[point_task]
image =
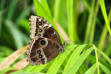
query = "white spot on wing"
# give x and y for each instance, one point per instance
(45, 24)
(40, 19)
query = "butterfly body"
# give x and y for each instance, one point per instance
(45, 43)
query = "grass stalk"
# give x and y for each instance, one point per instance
(104, 34)
(56, 9)
(72, 19)
(11, 8)
(90, 18)
(86, 5)
(97, 62)
(21, 64)
(10, 59)
(102, 5)
(46, 7)
(1, 9)
(91, 37)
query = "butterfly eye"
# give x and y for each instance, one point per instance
(42, 42)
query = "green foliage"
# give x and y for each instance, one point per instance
(102, 5)
(85, 27)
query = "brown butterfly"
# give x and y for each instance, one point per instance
(45, 43)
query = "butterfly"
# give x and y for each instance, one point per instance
(45, 43)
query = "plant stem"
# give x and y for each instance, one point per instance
(97, 63)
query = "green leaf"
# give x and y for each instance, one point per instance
(102, 5)
(105, 69)
(56, 9)
(93, 25)
(74, 56)
(60, 13)
(97, 61)
(75, 66)
(105, 56)
(104, 34)
(86, 4)
(23, 15)
(91, 70)
(11, 9)
(46, 7)
(6, 50)
(25, 25)
(36, 68)
(2, 4)
(71, 21)
(15, 34)
(6, 70)
(22, 72)
(90, 18)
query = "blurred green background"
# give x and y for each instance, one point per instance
(84, 21)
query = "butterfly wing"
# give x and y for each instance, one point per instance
(45, 43)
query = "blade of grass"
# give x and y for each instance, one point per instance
(15, 34)
(12, 6)
(25, 24)
(75, 56)
(92, 60)
(12, 58)
(104, 34)
(22, 72)
(72, 29)
(6, 50)
(90, 18)
(108, 49)
(62, 32)
(75, 66)
(96, 55)
(91, 37)
(46, 7)
(36, 68)
(59, 60)
(102, 5)
(60, 13)
(21, 64)
(105, 69)
(91, 70)
(60, 16)
(83, 68)
(2, 4)
(23, 15)
(86, 4)
(105, 56)
(56, 9)
(6, 70)
(75, 18)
